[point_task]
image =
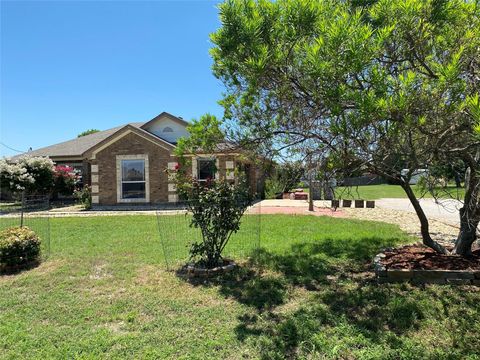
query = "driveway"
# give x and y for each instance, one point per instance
(443, 210)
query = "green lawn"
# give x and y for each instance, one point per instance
(373, 192)
(104, 293)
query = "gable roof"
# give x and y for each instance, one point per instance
(129, 128)
(76, 148)
(168, 115)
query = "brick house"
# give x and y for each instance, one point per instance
(128, 164)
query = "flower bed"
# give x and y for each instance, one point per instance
(422, 265)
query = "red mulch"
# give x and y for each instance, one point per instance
(421, 257)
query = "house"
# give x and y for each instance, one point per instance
(128, 164)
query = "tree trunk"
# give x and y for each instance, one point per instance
(467, 235)
(470, 212)
(424, 225)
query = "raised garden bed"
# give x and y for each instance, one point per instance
(422, 265)
(194, 271)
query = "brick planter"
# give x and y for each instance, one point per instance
(190, 271)
(419, 276)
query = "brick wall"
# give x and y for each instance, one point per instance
(103, 170)
(132, 144)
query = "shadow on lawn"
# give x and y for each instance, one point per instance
(336, 295)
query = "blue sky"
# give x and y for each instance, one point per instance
(68, 66)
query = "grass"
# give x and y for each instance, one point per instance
(307, 293)
(373, 192)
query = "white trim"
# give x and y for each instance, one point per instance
(128, 131)
(119, 159)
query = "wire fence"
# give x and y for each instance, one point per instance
(177, 234)
(24, 213)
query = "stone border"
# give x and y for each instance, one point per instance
(190, 271)
(450, 277)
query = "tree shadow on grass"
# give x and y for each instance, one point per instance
(336, 300)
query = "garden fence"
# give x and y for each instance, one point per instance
(177, 234)
(27, 212)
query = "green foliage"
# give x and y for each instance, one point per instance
(19, 246)
(273, 187)
(88, 132)
(205, 135)
(284, 178)
(84, 196)
(217, 208)
(383, 85)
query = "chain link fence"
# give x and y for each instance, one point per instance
(25, 213)
(177, 234)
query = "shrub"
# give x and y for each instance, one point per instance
(31, 174)
(216, 208)
(84, 196)
(273, 187)
(64, 180)
(19, 246)
(285, 177)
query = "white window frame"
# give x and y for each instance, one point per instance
(143, 157)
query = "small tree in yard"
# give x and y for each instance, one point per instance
(217, 208)
(383, 85)
(216, 205)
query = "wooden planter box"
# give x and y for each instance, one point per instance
(347, 203)
(370, 204)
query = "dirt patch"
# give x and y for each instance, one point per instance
(421, 257)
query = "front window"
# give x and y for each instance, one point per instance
(133, 179)
(206, 169)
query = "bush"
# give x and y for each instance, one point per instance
(64, 180)
(217, 208)
(285, 177)
(273, 187)
(84, 196)
(19, 246)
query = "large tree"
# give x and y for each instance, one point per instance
(386, 85)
